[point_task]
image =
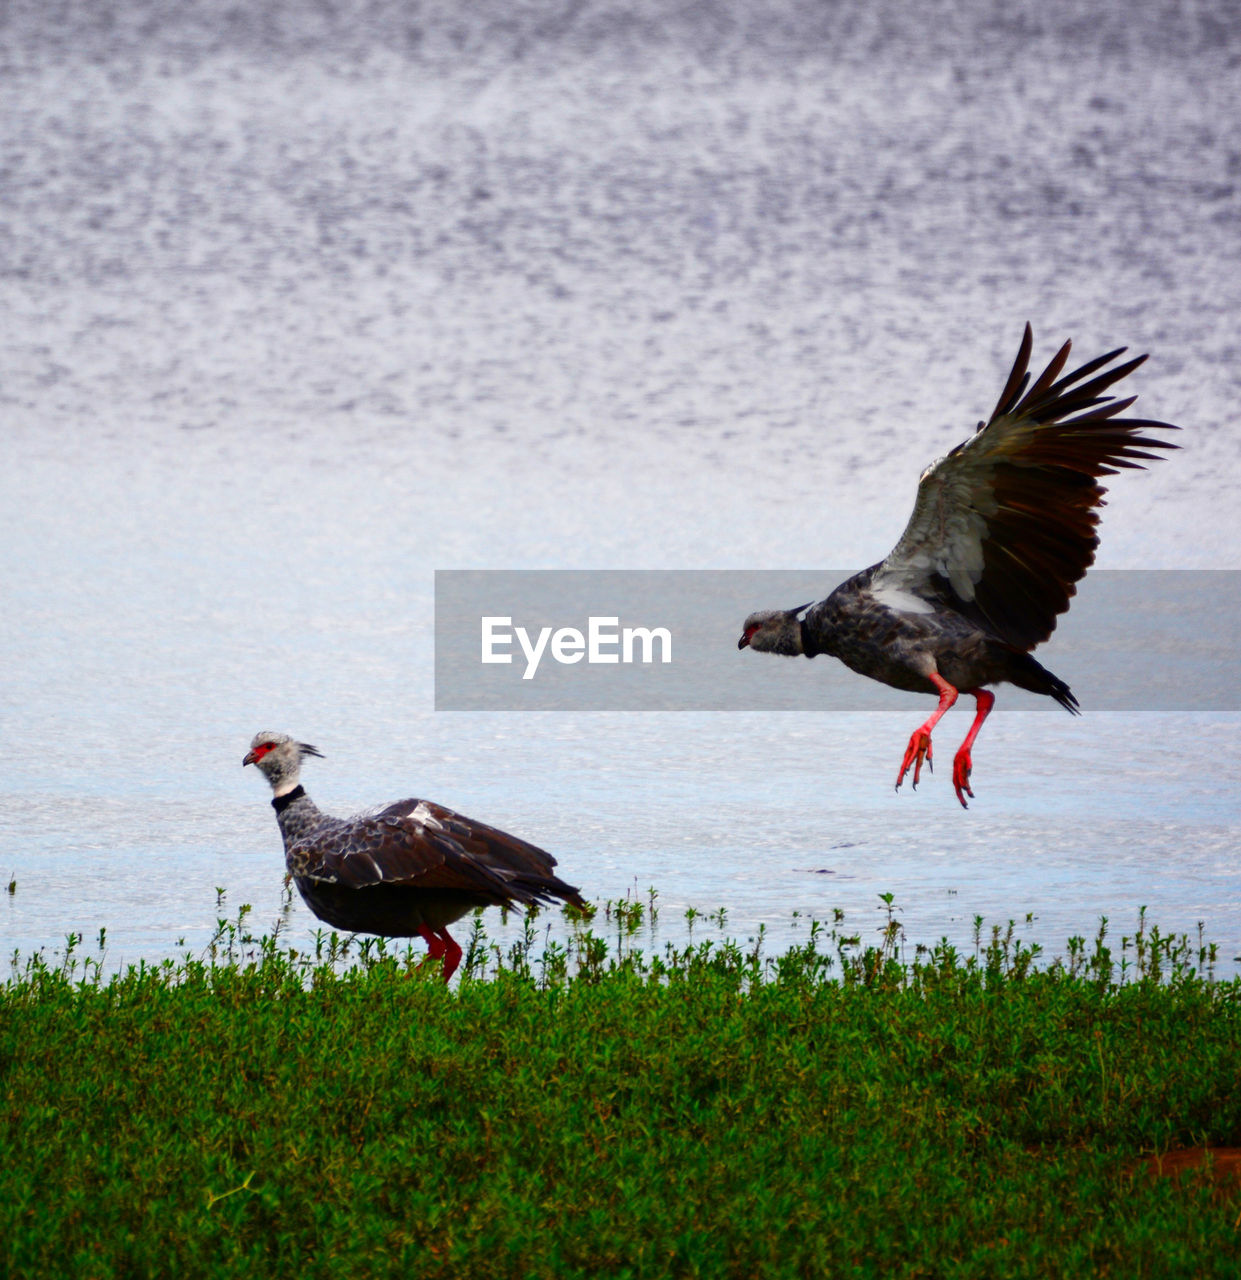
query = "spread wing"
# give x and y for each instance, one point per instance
(423, 845)
(1004, 525)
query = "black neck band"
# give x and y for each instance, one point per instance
(808, 646)
(281, 803)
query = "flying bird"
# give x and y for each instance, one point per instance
(406, 871)
(1002, 529)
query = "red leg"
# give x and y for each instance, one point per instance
(962, 765)
(919, 748)
(435, 946)
(441, 946)
(452, 955)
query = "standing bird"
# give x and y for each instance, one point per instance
(1002, 529)
(409, 870)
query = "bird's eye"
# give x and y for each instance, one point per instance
(269, 746)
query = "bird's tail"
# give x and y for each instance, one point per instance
(1028, 673)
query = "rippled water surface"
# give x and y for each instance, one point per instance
(299, 309)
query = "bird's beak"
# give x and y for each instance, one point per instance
(251, 758)
(744, 642)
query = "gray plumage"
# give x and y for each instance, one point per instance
(1003, 528)
(410, 870)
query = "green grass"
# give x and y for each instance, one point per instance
(592, 1108)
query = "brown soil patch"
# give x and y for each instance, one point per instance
(1223, 1164)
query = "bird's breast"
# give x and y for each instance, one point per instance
(872, 635)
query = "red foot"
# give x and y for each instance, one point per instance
(919, 749)
(962, 767)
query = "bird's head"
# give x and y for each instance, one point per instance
(280, 759)
(774, 631)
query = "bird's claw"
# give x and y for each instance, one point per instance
(962, 767)
(919, 749)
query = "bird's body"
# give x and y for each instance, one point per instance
(888, 640)
(410, 870)
(1002, 530)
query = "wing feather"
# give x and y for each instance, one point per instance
(420, 844)
(1019, 376)
(1005, 525)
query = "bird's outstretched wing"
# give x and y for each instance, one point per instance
(423, 845)
(1004, 525)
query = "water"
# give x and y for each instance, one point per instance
(303, 304)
